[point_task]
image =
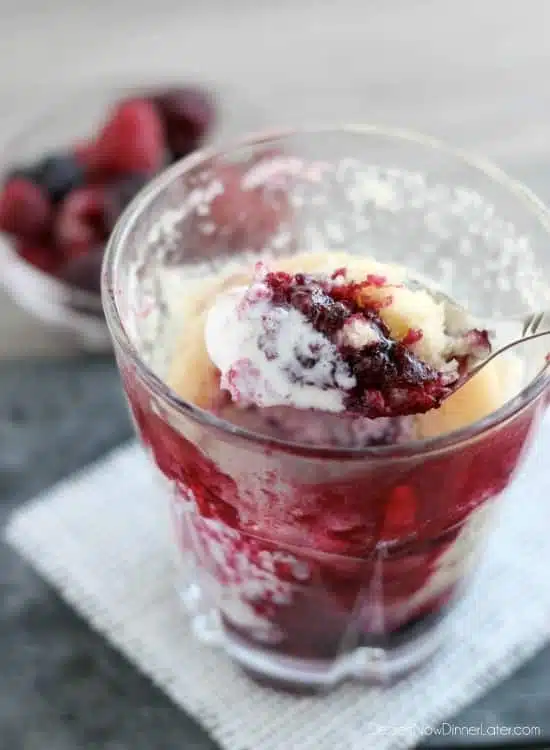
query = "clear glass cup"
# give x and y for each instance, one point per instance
(310, 565)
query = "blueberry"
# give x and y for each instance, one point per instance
(59, 174)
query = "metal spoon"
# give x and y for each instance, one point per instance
(510, 331)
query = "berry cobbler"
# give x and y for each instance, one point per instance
(315, 538)
(303, 384)
(313, 542)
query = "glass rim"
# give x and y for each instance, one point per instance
(411, 448)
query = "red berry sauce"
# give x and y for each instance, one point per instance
(323, 553)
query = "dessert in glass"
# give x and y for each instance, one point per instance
(300, 391)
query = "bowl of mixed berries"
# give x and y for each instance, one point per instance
(67, 179)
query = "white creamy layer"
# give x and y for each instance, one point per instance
(272, 375)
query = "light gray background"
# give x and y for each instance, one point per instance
(476, 72)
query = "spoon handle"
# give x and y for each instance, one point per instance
(533, 326)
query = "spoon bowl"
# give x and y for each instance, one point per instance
(504, 334)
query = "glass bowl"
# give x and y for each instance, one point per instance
(73, 314)
(314, 564)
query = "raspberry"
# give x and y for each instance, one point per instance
(187, 114)
(240, 217)
(246, 217)
(230, 205)
(85, 155)
(80, 223)
(132, 140)
(40, 256)
(25, 210)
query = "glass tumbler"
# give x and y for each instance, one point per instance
(311, 564)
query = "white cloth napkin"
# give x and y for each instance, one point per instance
(102, 539)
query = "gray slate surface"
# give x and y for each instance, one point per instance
(62, 687)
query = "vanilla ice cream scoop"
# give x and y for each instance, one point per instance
(271, 355)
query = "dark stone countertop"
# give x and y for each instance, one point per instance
(62, 687)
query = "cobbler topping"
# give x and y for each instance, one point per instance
(335, 344)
